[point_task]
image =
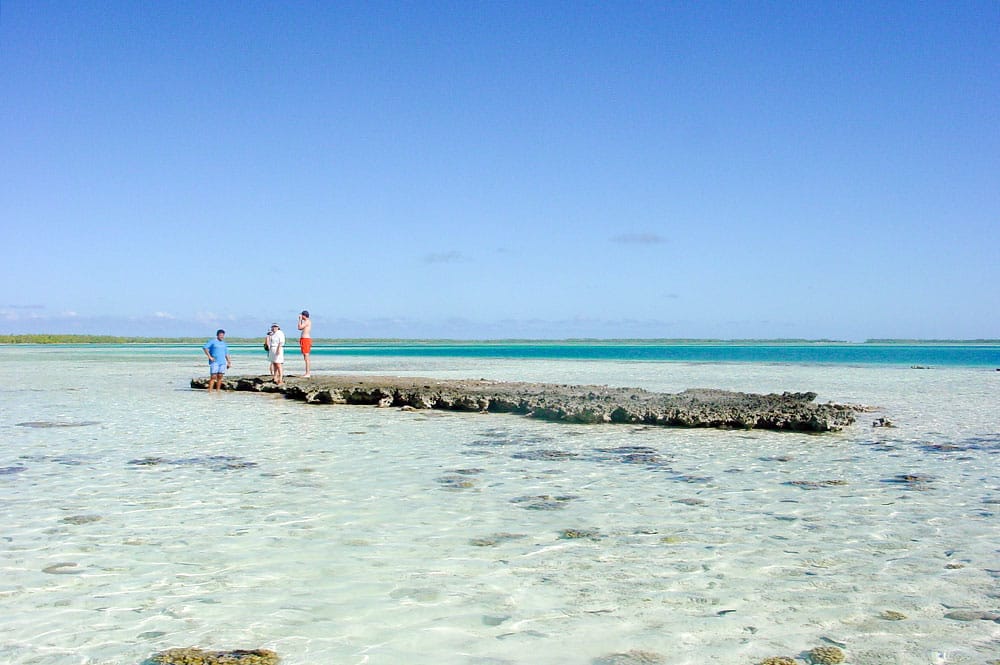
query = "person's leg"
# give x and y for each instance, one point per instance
(214, 382)
(305, 356)
(279, 373)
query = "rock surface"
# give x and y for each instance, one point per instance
(564, 403)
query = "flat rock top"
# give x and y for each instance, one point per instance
(699, 407)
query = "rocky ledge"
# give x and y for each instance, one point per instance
(564, 403)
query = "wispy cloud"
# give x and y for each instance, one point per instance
(639, 239)
(444, 257)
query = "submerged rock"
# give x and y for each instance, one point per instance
(496, 539)
(542, 502)
(544, 455)
(573, 534)
(43, 424)
(912, 481)
(632, 657)
(213, 462)
(972, 615)
(826, 656)
(81, 519)
(817, 484)
(193, 656)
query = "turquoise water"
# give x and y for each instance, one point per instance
(926, 355)
(140, 515)
(946, 355)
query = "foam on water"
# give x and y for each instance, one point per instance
(140, 515)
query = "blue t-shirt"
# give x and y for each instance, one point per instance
(218, 348)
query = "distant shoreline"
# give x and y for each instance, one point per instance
(112, 339)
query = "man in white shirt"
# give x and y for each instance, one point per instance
(276, 353)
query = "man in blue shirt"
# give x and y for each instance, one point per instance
(218, 359)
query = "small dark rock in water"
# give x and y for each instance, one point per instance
(892, 615)
(57, 423)
(816, 484)
(81, 519)
(456, 482)
(61, 568)
(635, 454)
(691, 502)
(826, 656)
(632, 657)
(542, 502)
(972, 615)
(495, 539)
(687, 478)
(11, 470)
(193, 656)
(214, 462)
(912, 480)
(942, 448)
(882, 422)
(544, 455)
(573, 534)
(494, 621)
(149, 461)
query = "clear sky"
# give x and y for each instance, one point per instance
(515, 169)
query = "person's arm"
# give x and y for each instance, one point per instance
(229, 360)
(208, 353)
(302, 322)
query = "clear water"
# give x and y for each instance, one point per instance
(140, 515)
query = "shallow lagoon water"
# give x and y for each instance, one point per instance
(140, 515)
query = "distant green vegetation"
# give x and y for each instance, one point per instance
(108, 339)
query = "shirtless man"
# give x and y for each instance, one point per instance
(305, 338)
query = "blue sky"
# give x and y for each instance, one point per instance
(502, 169)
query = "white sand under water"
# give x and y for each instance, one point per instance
(139, 515)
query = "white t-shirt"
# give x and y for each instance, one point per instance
(276, 353)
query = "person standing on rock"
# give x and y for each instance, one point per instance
(218, 359)
(276, 353)
(305, 338)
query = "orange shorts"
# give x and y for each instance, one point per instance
(306, 344)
